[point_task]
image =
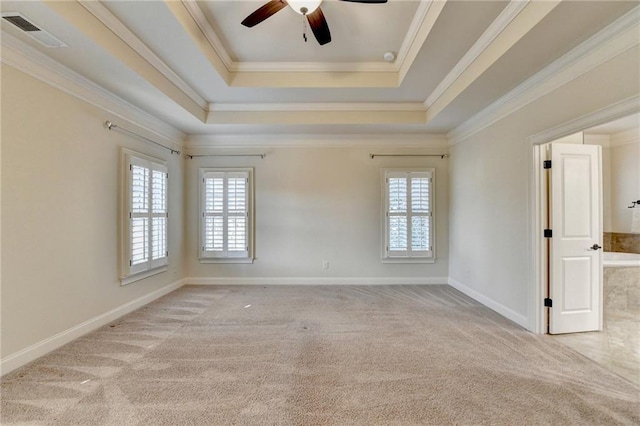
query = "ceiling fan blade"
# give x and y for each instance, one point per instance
(367, 1)
(264, 12)
(319, 26)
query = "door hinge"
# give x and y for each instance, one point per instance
(548, 303)
(548, 233)
(130, 167)
(546, 164)
(130, 262)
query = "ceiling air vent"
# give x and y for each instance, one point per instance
(32, 30)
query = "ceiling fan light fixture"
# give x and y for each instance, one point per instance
(304, 7)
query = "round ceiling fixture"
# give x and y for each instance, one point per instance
(389, 57)
(304, 7)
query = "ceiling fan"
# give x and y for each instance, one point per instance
(307, 8)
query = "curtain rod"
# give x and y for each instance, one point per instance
(111, 126)
(409, 155)
(224, 155)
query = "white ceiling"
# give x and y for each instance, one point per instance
(192, 64)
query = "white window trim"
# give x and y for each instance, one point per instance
(384, 254)
(128, 274)
(206, 257)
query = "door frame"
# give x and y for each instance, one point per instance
(537, 285)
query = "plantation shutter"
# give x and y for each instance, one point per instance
(159, 216)
(225, 197)
(147, 211)
(408, 214)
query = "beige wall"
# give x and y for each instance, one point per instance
(60, 175)
(489, 202)
(60, 188)
(624, 184)
(606, 190)
(317, 204)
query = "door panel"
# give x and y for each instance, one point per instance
(576, 296)
(575, 215)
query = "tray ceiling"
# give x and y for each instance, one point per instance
(191, 63)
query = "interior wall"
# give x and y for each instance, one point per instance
(60, 213)
(625, 184)
(489, 203)
(604, 141)
(315, 205)
(607, 225)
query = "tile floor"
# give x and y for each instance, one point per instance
(617, 346)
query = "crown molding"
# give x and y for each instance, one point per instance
(207, 30)
(233, 141)
(413, 41)
(232, 66)
(117, 27)
(306, 74)
(612, 112)
(317, 113)
(90, 26)
(313, 67)
(420, 28)
(290, 107)
(521, 24)
(608, 43)
(22, 57)
(626, 137)
(505, 17)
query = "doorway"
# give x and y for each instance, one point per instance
(617, 345)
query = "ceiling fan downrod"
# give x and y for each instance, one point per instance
(304, 11)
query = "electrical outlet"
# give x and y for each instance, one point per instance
(325, 264)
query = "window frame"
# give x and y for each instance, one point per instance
(129, 272)
(387, 256)
(224, 256)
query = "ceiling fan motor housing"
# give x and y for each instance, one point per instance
(304, 7)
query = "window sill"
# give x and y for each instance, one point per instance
(226, 260)
(142, 275)
(409, 260)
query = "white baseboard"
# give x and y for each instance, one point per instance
(45, 346)
(519, 319)
(316, 281)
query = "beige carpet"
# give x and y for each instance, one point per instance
(316, 355)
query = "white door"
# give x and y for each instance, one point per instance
(575, 219)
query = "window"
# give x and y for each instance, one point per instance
(146, 217)
(408, 215)
(226, 219)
